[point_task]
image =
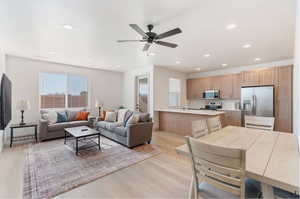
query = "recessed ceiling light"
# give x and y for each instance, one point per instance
(198, 69)
(151, 54)
(224, 65)
(257, 59)
(231, 26)
(68, 27)
(247, 46)
(177, 62)
(206, 55)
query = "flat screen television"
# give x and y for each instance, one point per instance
(5, 102)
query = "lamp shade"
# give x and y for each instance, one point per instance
(96, 103)
(23, 105)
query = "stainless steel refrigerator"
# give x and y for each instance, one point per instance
(258, 101)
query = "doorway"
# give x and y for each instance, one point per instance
(142, 94)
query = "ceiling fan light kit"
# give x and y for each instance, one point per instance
(151, 37)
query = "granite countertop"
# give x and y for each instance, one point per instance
(197, 112)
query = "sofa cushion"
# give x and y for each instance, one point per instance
(121, 115)
(71, 115)
(110, 116)
(134, 119)
(62, 117)
(82, 115)
(63, 125)
(144, 117)
(127, 116)
(50, 117)
(121, 130)
(109, 125)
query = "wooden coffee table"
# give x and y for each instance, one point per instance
(84, 136)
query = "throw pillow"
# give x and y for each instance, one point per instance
(134, 119)
(144, 117)
(61, 117)
(110, 116)
(82, 115)
(121, 115)
(127, 116)
(71, 115)
(50, 116)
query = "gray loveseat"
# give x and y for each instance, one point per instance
(56, 130)
(130, 135)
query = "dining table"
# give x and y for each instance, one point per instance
(272, 157)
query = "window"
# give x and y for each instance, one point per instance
(174, 92)
(77, 91)
(63, 91)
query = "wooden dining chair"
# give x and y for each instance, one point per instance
(199, 128)
(214, 124)
(262, 123)
(221, 167)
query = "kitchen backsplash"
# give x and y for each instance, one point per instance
(226, 104)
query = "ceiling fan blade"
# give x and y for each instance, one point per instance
(120, 41)
(168, 33)
(138, 30)
(167, 44)
(146, 47)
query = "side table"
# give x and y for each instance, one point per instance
(25, 137)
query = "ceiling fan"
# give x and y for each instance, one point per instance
(151, 37)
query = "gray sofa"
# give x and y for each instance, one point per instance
(130, 135)
(53, 131)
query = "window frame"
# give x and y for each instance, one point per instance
(179, 93)
(67, 91)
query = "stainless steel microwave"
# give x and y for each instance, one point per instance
(211, 94)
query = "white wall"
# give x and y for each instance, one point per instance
(235, 70)
(105, 86)
(129, 87)
(2, 70)
(296, 79)
(161, 86)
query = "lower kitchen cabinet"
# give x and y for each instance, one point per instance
(233, 118)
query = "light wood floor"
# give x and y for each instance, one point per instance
(164, 176)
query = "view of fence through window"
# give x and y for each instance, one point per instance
(63, 91)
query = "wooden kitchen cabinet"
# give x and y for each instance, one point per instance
(196, 87)
(236, 86)
(233, 118)
(250, 78)
(283, 100)
(268, 76)
(226, 86)
(190, 88)
(230, 88)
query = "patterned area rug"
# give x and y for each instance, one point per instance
(52, 168)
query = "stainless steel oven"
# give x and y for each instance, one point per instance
(211, 94)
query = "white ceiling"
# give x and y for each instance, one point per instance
(34, 28)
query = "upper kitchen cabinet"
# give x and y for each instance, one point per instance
(250, 78)
(226, 86)
(196, 87)
(236, 84)
(268, 76)
(192, 92)
(261, 77)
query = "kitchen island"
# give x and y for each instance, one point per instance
(179, 121)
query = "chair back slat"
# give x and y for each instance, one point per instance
(262, 123)
(214, 124)
(223, 186)
(220, 169)
(218, 166)
(199, 128)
